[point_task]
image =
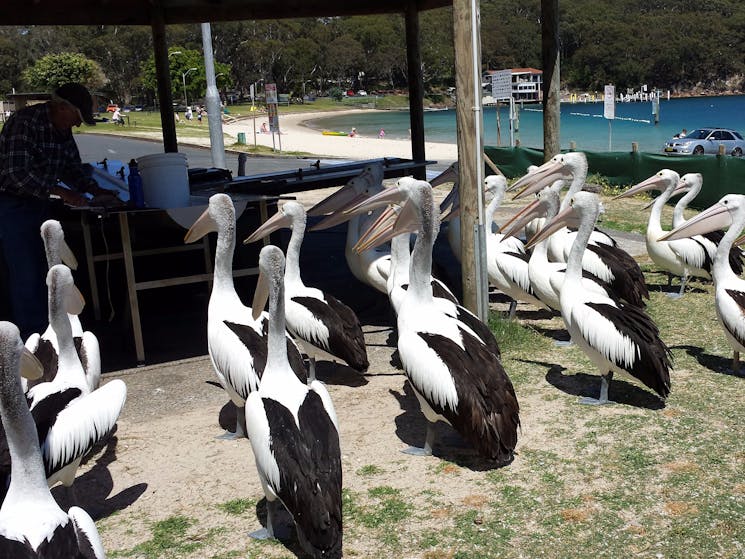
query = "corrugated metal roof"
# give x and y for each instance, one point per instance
(143, 12)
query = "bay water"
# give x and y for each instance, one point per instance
(582, 123)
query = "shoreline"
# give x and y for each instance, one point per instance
(298, 136)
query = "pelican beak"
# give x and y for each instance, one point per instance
(261, 296)
(448, 175)
(67, 256)
(560, 220)
(340, 214)
(711, 219)
(406, 222)
(277, 221)
(392, 195)
(655, 182)
(537, 208)
(384, 222)
(74, 300)
(452, 213)
(680, 188)
(335, 202)
(31, 368)
(533, 182)
(739, 241)
(201, 227)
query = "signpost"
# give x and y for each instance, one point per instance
(270, 90)
(501, 87)
(609, 110)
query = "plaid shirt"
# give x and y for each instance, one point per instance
(34, 155)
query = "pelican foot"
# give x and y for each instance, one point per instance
(673, 295)
(563, 343)
(587, 401)
(261, 534)
(229, 436)
(416, 451)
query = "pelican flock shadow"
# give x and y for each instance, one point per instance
(92, 489)
(411, 426)
(659, 283)
(587, 385)
(558, 334)
(716, 363)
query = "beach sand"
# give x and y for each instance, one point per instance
(297, 137)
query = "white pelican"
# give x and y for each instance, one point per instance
(684, 257)
(294, 432)
(317, 318)
(729, 294)
(691, 184)
(70, 418)
(454, 375)
(236, 341)
(372, 266)
(617, 338)
(44, 346)
(603, 258)
(31, 522)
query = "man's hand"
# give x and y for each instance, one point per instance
(69, 197)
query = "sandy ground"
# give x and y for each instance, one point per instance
(300, 138)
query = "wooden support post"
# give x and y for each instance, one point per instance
(551, 73)
(572, 146)
(416, 86)
(722, 149)
(634, 147)
(160, 50)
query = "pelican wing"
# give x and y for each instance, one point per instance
(629, 339)
(692, 252)
(733, 321)
(627, 278)
(441, 291)
(309, 460)
(735, 254)
(89, 542)
(90, 357)
(487, 413)
(82, 424)
(45, 351)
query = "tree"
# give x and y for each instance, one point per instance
(53, 70)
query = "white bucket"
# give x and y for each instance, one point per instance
(165, 180)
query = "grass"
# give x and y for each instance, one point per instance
(169, 538)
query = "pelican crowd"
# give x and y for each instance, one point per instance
(549, 255)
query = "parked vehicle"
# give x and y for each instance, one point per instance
(112, 107)
(706, 140)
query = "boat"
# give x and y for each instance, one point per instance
(334, 133)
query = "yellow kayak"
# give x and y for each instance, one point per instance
(334, 133)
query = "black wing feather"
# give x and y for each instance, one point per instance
(739, 298)
(628, 279)
(653, 362)
(62, 545)
(488, 413)
(346, 340)
(310, 469)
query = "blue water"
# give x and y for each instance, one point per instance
(580, 122)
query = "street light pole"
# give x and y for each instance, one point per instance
(183, 79)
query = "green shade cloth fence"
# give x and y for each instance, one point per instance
(723, 174)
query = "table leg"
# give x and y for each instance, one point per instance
(85, 222)
(132, 287)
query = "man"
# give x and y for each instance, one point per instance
(37, 153)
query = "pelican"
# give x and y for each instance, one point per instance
(616, 337)
(294, 432)
(684, 257)
(236, 341)
(31, 522)
(44, 346)
(317, 318)
(452, 202)
(71, 419)
(729, 294)
(691, 184)
(564, 166)
(455, 377)
(603, 258)
(372, 266)
(506, 262)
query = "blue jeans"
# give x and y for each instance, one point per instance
(25, 261)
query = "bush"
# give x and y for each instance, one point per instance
(336, 93)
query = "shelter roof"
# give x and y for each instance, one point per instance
(144, 12)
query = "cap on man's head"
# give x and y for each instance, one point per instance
(79, 96)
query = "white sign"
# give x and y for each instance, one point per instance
(501, 84)
(609, 110)
(270, 90)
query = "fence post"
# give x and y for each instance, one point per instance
(722, 150)
(635, 147)
(572, 146)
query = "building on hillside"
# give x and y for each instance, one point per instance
(527, 84)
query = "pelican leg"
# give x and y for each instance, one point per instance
(311, 369)
(428, 443)
(679, 294)
(240, 427)
(735, 362)
(603, 399)
(513, 309)
(266, 533)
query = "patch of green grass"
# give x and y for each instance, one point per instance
(370, 470)
(169, 538)
(390, 510)
(383, 491)
(237, 506)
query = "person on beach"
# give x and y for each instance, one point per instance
(353, 133)
(264, 128)
(381, 134)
